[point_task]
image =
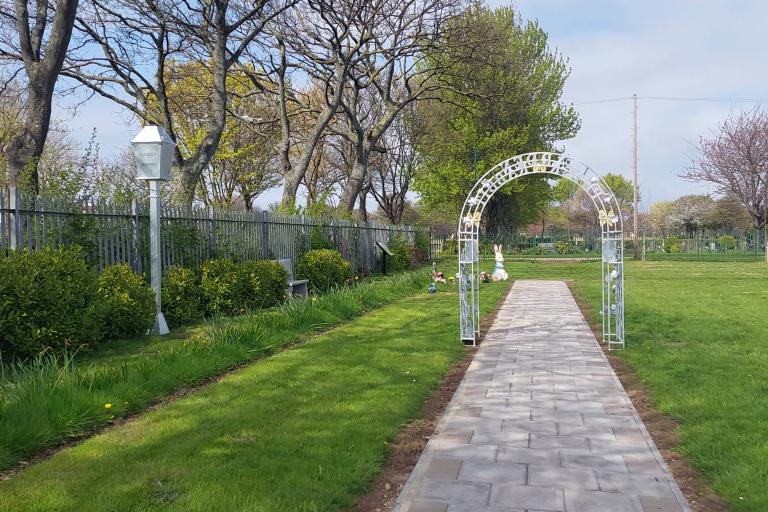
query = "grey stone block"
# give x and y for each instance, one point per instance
(632, 483)
(454, 491)
(538, 498)
(426, 506)
(596, 501)
(655, 504)
(528, 456)
(566, 478)
(534, 427)
(493, 472)
(606, 462)
(443, 469)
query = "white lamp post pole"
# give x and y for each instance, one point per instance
(153, 149)
(154, 246)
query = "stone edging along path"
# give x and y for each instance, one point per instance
(540, 422)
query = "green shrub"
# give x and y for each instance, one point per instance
(181, 297)
(266, 282)
(319, 240)
(223, 287)
(672, 244)
(420, 249)
(126, 303)
(727, 242)
(46, 302)
(563, 247)
(401, 260)
(324, 268)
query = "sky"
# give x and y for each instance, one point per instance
(615, 48)
(673, 48)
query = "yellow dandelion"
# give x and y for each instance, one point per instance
(107, 406)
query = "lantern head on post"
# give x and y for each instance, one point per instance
(153, 151)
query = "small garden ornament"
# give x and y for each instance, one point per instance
(499, 274)
(437, 276)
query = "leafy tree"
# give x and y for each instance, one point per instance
(660, 216)
(729, 214)
(243, 165)
(503, 98)
(623, 190)
(690, 213)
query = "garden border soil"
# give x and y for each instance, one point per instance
(406, 448)
(663, 428)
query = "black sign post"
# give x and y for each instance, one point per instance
(385, 251)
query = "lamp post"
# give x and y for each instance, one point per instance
(153, 151)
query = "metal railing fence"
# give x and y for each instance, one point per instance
(725, 247)
(111, 232)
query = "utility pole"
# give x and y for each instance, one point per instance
(634, 177)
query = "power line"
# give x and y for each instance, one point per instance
(610, 100)
(676, 98)
(709, 99)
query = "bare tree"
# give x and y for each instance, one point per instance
(735, 161)
(130, 45)
(391, 74)
(320, 41)
(392, 171)
(327, 171)
(39, 41)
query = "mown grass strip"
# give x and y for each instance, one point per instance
(304, 430)
(51, 400)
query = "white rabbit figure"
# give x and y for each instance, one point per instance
(499, 274)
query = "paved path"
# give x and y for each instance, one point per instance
(540, 423)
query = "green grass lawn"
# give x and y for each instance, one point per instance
(49, 400)
(697, 335)
(304, 430)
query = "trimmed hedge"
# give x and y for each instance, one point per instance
(223, 287)
(181, 297)
(47, 302)
(265, 282)
(126, 303)
(325, 269)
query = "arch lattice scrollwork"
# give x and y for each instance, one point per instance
(611, 224)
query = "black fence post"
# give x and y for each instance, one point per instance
(265, 234)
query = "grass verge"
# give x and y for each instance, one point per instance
(52, 400)
(305, 430)
(696, 338)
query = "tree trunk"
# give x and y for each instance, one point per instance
(42, 66)
(356, 178)
(296, 173)
(24, 149)
(362, 200)
(193, 167)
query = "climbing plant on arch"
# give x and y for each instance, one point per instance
(611, 225)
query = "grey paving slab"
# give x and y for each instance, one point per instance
(540, 423)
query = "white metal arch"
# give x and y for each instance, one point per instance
(611, 225)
